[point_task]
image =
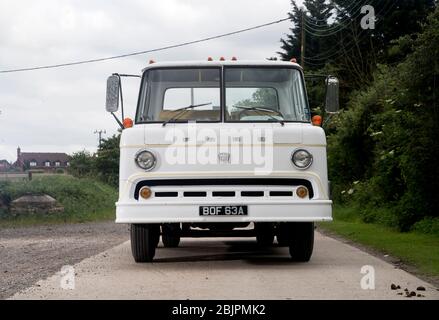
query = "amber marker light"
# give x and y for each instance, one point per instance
(127, 123)
(317, 121)
(302, 192)
(145, 193)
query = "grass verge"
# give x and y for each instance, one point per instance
(83, 199)
(412, 248)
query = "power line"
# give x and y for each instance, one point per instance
(338, 8)
(337, 26)
(350, 44)
(351, 8)
(146, 51)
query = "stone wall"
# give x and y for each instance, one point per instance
(35, 204)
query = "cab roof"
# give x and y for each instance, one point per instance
(219, 63)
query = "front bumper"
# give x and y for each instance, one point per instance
(258, 211)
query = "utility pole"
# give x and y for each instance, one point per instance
(303, 45)
(99, 133)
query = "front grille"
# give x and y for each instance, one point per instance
(234, 184)
(223, 193)
(281, 193)
(252, 193)
(166, 194)
(194, 194)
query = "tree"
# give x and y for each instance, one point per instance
(81, 164)
(357, 52)
(291, 45)
(261, 97)
(387, 137)
(311, 19)
(107, 160)
(334, 35)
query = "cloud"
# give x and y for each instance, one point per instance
(59, 109)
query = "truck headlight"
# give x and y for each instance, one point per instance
(302, 159)
(145, 160)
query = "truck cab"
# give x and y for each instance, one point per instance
(222, 148)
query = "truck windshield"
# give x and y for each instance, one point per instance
(265, 94)
(252, 94)
(167, 91)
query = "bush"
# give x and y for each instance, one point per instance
(104, 164)
(427, 225)
(387, 139)
(83, 199)
(107, 161)
(82, 164)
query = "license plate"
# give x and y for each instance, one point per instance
(223, 210)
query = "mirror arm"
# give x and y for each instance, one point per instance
(117, 120)
(121, 97)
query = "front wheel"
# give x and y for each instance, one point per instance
(301, 240)
(144, 240)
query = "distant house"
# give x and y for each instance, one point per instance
(5, 166)
(46, 161)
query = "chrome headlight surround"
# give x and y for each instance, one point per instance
(302, 159)
(145, 160)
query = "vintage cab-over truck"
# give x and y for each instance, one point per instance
(221, 148)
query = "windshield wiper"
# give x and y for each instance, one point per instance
(181, 111)
(265, 109)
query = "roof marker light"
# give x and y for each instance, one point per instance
(293, 60)
(222, 59)
(209, 59)
(234, 59)
(151, 61)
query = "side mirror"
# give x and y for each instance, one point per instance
(112, 102)
(332, 95)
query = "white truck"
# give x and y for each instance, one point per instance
(222, 148)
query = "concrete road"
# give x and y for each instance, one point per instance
(231, 269)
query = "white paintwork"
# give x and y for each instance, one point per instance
(217, 63)
(285, 140)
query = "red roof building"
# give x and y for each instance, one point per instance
(47, 161)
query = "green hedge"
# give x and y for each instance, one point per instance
(385, 150)
(82, 198)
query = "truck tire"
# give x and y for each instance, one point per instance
(264, 234)
(301, 241)
(144, 240)
(171, 235)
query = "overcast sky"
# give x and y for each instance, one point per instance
(57, 110)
